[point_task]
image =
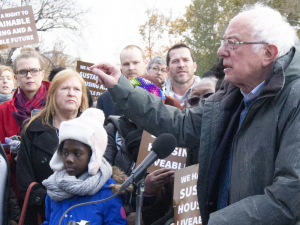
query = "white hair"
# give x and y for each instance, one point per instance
(271, 27)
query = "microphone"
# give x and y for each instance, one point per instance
(162, 146)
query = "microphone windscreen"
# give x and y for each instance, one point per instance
(164, 145)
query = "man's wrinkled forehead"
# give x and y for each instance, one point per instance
(239, 27)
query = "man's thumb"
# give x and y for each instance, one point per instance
(103, 78)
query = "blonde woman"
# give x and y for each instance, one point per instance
(66, 100)
(30, 94)
(6, 83)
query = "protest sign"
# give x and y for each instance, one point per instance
(186, 208)
(83, 68)
(17, 27)
(175, 161)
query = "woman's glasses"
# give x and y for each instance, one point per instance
(194, 101)
(33, 72)
(156, 69)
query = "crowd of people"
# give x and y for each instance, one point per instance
(33, 112)
(240, 124)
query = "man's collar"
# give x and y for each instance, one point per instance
(254, 93)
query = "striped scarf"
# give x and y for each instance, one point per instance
(23, 106)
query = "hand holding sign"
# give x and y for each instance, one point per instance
(108, 74)
(83, 68)
(157, 179)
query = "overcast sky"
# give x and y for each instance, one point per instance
(114, 24)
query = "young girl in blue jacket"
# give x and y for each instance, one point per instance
(81, 174)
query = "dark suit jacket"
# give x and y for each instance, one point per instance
(108, 107)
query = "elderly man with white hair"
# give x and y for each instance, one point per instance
(247, 132)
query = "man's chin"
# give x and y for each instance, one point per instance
(131, 75)
(228, 78)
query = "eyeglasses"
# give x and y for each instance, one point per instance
(33, 72)
(231, 44)
(156, 69)
(194, 101)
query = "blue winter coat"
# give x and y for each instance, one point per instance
(108, 212)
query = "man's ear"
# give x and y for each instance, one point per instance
(167, 69)
(195, 67)
(270, 53)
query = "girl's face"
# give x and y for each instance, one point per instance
(76, 157)
(6, 82)
(31, 82)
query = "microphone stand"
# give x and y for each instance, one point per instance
(139, 200)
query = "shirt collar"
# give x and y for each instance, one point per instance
(254, 93)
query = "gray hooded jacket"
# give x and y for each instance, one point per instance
(265, 169)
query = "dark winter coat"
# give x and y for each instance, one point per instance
(38, 144)
(265, 169)
(116, 152)
(11, 210)
(108, 107)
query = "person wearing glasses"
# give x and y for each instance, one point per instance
(157, 67)
(29, 95)
(200, 91)
(247, 132)
(6, 83)
(205, 88)
(181, 66)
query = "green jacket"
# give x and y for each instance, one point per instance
(265, 169)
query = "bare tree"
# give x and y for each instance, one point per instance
(56, 57)
(49, 15)
(53, 14)
(7, 4)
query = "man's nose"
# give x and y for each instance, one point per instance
(181, 63)
(131, 66)
(222, 51)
